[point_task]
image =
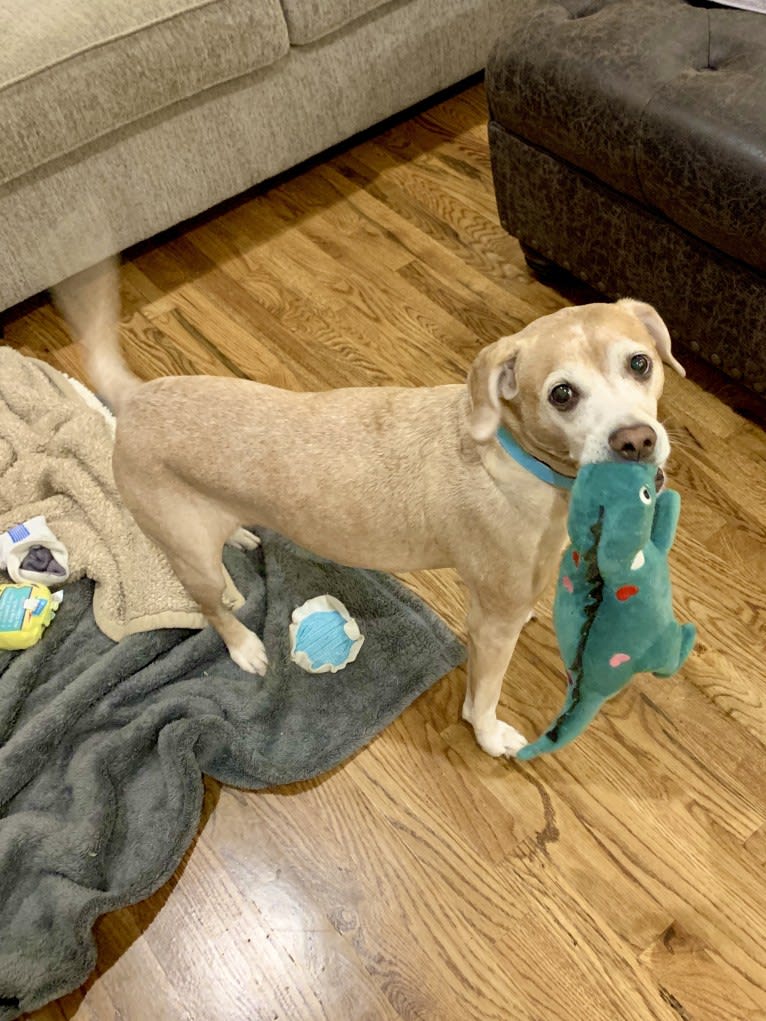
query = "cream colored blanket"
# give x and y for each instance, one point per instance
(56, 460)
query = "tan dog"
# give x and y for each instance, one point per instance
(385, 478)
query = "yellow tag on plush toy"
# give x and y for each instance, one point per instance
(25, 612)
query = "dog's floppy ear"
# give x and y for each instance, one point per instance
(492, 378)
(658, 331)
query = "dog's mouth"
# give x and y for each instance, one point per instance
(659, 478)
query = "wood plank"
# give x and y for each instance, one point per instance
(696, 983)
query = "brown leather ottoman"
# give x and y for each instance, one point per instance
(628, 142)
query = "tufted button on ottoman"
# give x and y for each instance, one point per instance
(628, 142)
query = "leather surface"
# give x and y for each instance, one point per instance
(712, 303)
(664, 100)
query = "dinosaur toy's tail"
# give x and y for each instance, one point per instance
(569, 724)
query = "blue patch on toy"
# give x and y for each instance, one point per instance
(324, 637)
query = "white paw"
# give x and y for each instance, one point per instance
(468, 709)
(499, 738)
(250, 654)
(242, 539)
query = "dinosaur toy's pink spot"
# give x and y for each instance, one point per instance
(576, 558)
(626, 592)
(566, 581)
(618, 659)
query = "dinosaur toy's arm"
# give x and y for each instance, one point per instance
(670, 651)
(616, 523)
(666, 514)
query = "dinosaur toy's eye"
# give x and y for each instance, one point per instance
(646, 496)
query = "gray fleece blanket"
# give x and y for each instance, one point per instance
(103, 745)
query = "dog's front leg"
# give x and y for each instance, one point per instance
(492, 637)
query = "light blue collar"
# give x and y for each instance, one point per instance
(539, 469)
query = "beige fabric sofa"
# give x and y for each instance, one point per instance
(150, 111)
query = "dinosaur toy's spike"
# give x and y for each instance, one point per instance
(613, 609)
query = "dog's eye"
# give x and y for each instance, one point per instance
(646, 496)
(640, 365)
(563, 396)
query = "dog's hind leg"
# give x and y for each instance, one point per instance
(192, 538)
(243, 539)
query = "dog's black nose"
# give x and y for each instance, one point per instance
(633, 442)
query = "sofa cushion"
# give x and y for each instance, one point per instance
(663, 100)
(309, 20)
(71, 72)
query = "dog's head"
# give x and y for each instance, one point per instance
(578, 386)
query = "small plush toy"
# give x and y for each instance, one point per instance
(613, 609)
(324, 637)
(25, 612)
(30, 552)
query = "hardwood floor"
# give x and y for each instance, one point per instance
(622, 878)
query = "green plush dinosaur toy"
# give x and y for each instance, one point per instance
(613, 610)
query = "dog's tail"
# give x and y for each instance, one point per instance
(90, 302)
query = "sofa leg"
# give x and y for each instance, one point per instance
(544, 269)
